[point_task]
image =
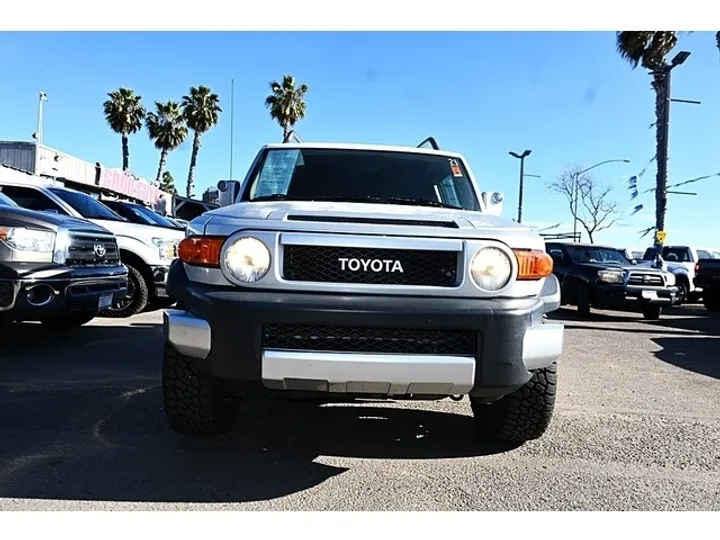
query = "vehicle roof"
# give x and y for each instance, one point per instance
(581, 244)
(358, 146)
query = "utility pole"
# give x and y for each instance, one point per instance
(232, 123)
(664, 136)
(521, 157)
(39, 133)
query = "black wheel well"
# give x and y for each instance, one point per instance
(682, 278)
(128, 257)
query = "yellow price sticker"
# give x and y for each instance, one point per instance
(661, 235)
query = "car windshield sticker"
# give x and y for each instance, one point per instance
(455, 168)
(277, 172)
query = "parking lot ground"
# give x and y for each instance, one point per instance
(637, 426)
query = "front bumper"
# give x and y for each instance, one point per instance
(228, 331)
(631, 297)
(48, 293)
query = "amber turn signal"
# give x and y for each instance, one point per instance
(533, 264)
(201, 251)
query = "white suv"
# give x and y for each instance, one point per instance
(361, 271)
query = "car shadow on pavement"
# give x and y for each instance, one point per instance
(691, 353)
(81, 419)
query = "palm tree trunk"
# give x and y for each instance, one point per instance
(659, 87)
(193, 161)
(286, 130)
(161, 166)
(125, 152)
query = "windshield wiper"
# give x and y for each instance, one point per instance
(273, 197)
(349, 198)
(421, 202)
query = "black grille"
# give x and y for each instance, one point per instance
(82, 250)
(324, 264)
(372, 221)
(652, 280)
(370, 340)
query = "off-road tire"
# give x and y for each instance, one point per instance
(195, 404)
(523, 415)
(139, 302)
(652, 312)
(71, 320)
(712, 302)
(583, 300)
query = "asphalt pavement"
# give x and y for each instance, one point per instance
(637, 426)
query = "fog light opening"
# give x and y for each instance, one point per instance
(40, 295)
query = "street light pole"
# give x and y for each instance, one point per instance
(521, 157)
(576, 190)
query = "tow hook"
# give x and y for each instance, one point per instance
(456, 398)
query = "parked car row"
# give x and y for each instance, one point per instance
(604, 277)
(66, 257)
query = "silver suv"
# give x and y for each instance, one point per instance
(358, 271)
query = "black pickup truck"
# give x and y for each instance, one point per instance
(601, 277)
(707, 277)
(56, 269)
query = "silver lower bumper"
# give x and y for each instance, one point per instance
(361, 372)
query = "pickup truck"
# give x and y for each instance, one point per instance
(147, 251)
(681, 261)
(707, 277)
(54, 269)
(601, 277)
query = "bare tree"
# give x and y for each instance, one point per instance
(596, 211)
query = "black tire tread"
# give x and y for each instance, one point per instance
(141, 299)
(523, 415)
(194, 403)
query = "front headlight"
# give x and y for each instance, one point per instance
(28, 240)
(167, 249)
(611, 276)
(491, 269)
(670, 280)
(247, 259)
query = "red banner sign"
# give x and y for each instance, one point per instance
(125, 183)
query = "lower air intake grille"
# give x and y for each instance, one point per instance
(370, 340)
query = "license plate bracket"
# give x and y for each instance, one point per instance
(650, 295)
(105, 301)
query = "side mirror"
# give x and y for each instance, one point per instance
(228, 191)
(493, 202)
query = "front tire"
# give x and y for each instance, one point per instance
(711, 302)
(652, 312)
(136, 298)
(583, 300)
(523, 415)
(683, 291)
(195, 404)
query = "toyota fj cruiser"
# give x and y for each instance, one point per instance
(361, 271)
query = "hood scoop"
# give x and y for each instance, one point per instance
(372, 221)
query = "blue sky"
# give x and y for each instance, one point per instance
(565, 95)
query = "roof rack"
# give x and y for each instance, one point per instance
(430, 142)
(292, 136)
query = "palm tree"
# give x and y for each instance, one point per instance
(201, 109)
(287, 103)
(167, 183)
(167, 128)
(650, 50)
(124, 113)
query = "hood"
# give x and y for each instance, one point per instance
(278, 210)
(23, 217)
(625, 267)
(127, 228)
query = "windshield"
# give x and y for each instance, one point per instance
(6, 201)
(86, 206)
(596, 255)
(362, 176)
(155, 218)
(669, 254)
